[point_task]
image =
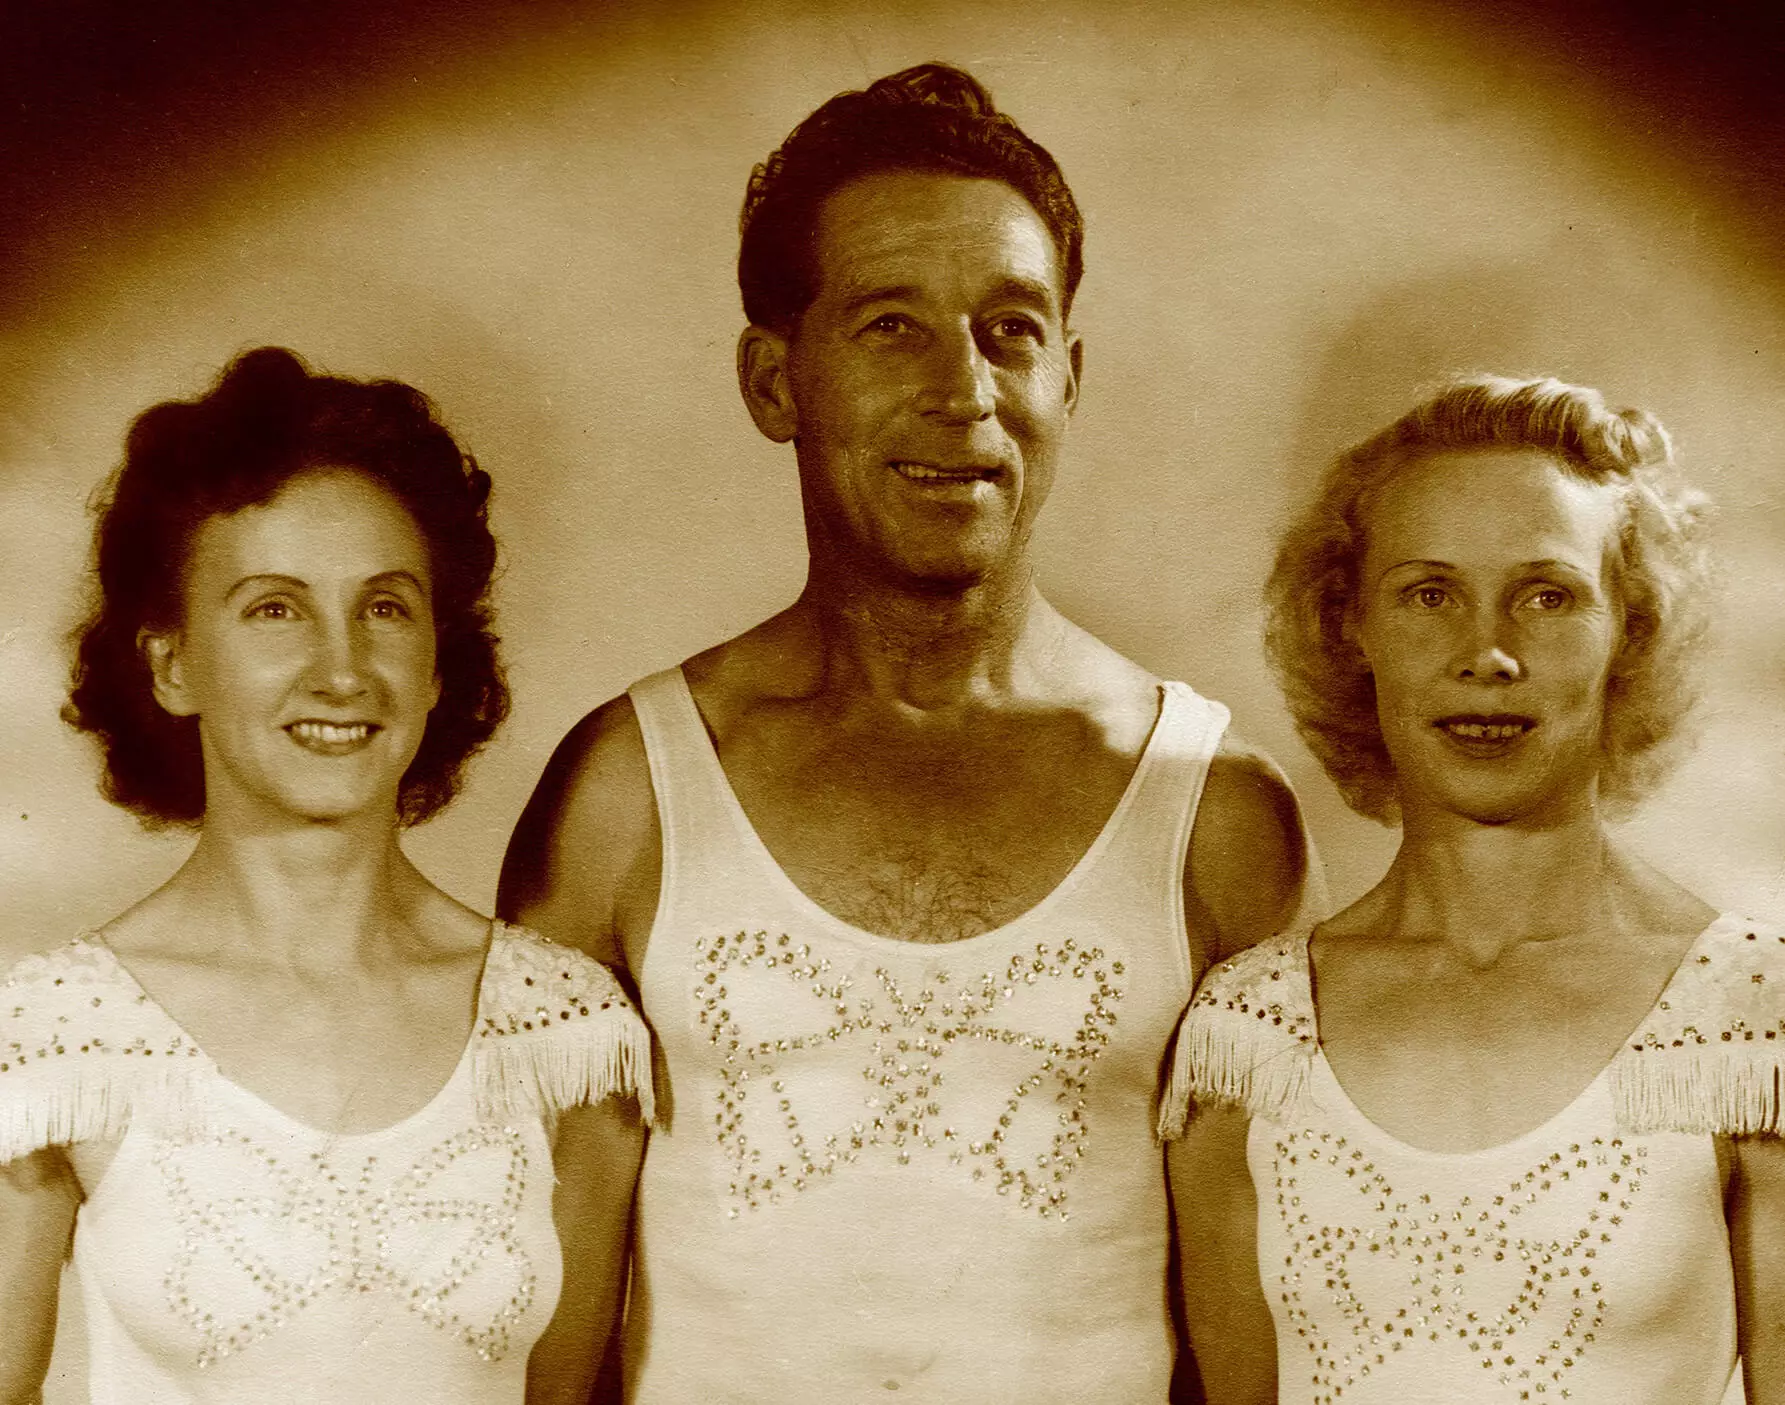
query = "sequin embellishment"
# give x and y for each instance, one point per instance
(1411, 1268)
(255, 1228)
(1051, 1007)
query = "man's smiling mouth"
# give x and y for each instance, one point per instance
(933, 473)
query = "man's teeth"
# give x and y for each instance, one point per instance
(331, 733)
(1486, 731)
(924, 473)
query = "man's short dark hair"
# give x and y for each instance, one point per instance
(929, 118)
(267, 420)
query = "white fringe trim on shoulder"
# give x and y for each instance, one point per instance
(94, 1099)
(549, 1070)
(1222, 1060)
(1722, 1093)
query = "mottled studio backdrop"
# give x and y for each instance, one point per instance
(1298, 213)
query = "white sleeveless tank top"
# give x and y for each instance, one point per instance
(895, 1166)
(1587, 1260)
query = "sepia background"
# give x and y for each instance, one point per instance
(1299, 213)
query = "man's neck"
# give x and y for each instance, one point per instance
(931, 650)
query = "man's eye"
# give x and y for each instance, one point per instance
(889, 323)
(1017, 328)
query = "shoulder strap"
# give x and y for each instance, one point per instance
(84, 1052)
(554, 1031)
(1710, 1057)
(1248, 1038)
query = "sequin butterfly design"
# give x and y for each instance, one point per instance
(1039, 1021)
(1411, 1269)
(261, 1239)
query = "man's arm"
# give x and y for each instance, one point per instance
(1757, 1243)
(583, 865)
(1249, 871)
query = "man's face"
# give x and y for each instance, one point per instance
(932, 377)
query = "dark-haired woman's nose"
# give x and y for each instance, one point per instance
(337, 663)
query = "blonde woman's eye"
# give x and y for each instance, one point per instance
(1549, 598)
(1429, 597)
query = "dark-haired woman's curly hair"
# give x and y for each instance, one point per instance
(932, 117)
(268, 419)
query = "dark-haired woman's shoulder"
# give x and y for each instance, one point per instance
(555, 1029)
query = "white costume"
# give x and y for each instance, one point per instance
(1587, 1260)
(232, 1253)
(902, 1166)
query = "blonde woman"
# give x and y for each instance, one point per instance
(1505, 1129)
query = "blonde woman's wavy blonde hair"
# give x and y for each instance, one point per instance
(1661, 572)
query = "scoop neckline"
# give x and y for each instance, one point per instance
(1595, 1087)
(815, 911)
(461, 1066)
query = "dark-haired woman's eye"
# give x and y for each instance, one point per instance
(386, 608)
(271, 610)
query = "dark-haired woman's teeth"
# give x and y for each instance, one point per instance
(330, 733)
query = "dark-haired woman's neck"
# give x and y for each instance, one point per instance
(322, 897)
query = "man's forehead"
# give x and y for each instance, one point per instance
(897, 232)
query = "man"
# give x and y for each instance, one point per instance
(913, 878)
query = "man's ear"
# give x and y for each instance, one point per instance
(762, 378)
(1075, 368)
(161, 651)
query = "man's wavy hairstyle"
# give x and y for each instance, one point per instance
(929, 118)
(1659, 568)
(268, 419)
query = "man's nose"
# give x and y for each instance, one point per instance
(959, 384)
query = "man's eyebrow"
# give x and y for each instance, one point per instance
(895, 292)
(1026, 290)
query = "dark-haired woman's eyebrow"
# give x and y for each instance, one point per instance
(264, 581)
(399, 577)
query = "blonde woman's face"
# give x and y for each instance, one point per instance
(1489, 618)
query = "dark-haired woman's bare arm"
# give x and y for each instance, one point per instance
(1757, 1242)
(38, 1199)
(596, 1156)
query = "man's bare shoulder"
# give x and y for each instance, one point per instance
(588, 829)
(1248, 861)
(777, 660)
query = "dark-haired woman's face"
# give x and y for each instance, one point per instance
(306, 651)
(1490, 622)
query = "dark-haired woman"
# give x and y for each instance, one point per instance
(298, 1110)
(1506, 1128)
